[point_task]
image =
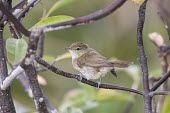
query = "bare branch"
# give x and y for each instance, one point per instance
(23, 5)
(143, 58)
(8, 80)
(161, 81)
(86, 19)
(163, 51)
(27, 9)
(83, 80)
(15, 34)
(6, 102)
(16, 23)
(27, 65)
(153, 93)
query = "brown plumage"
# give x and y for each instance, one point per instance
(90, 63)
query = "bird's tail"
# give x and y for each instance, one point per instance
(121, 64)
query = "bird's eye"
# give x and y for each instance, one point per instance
(78, 48)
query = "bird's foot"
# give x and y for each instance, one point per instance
(98, 85)
(81, 77)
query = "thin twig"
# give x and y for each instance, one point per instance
(143, 58)
(22, 5)
(163, 51)
(161, 81)
(12, 18)
(153, 93)
(19, 7)
(27, 9)
(151, 83)
(15, 34)
(83, 80)
(88, 18)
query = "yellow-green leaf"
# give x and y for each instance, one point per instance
(16, 50)
(53, 20)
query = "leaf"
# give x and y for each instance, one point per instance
(16, 50)
(107, 95)
(63, 56)
(165, 108)
(53, 20)
(58, 5)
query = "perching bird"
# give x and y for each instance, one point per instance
(91, 64)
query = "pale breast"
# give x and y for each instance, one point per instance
(94, 73)
(91, 72)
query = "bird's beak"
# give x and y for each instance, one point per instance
(67, 48)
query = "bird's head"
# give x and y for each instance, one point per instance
(77, 49)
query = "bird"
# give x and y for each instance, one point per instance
(91, 64)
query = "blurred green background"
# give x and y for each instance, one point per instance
(112, 36)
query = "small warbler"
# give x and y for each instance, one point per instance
(91, 64)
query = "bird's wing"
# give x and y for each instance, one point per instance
(93, 59)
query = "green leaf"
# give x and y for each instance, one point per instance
(107, 95)
(53, 20)
(58, 5)
(165, 108)
(16, 50)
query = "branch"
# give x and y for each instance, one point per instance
(6, 102)
(8, 80)
(27, 9)
(23, 5)
(27, 65)
(86, 19)
(12, 18)
(25, 83)
(161, 81)
(15, 34)
(153, 93)
(143, 58)
(83, 80)
(163, 51)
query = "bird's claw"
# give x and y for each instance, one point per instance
(98, 85)
(81, 77)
